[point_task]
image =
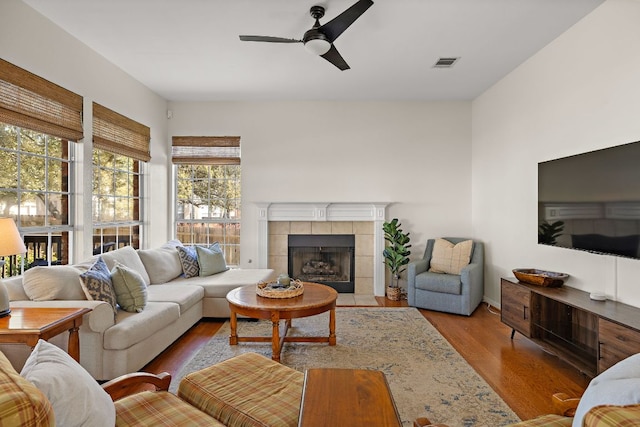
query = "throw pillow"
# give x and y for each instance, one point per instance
(449, 258)
(77, 399)
(51, 283)
(618, 385)
(96, 283)
(189, 260)
(211, 260)
(131, 291)
(163, 263)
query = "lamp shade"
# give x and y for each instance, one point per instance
(10, 241)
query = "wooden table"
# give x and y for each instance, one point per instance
(26, 325)
(316, 299)
(347, 397)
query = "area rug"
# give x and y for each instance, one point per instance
(426, 375)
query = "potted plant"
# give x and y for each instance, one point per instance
(396, 255)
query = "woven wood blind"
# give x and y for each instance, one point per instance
(32, 102)
(119, 134)
(206, 150)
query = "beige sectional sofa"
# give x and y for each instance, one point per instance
(110, 345)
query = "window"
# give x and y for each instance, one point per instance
(38, 119)
(120, 148)
(208, 178)
(35, 192)
(115, 201)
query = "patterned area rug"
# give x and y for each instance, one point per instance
(426, 375)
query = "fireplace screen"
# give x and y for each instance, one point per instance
(323, 258)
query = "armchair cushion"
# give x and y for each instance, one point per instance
(159, 408)
(610, 416)
(450, 258)
(438, 282)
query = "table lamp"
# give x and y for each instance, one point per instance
(10, 244)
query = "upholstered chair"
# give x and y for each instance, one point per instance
(448, 292)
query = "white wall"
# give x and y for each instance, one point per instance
(578, 94)
(32, 42)
(415, 155)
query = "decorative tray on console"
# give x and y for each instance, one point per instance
(540, 277)
(276, 290)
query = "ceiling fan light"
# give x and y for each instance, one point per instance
(318, 46)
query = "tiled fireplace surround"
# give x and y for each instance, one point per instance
(364, 220)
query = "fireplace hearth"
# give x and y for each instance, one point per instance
(323, 258)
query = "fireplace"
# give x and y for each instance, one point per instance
(323, 258)
(276, 221)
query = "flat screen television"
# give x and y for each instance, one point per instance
(591, 201)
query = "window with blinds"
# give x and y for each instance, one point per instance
(208, 183)
(38, 119)
(120, 148)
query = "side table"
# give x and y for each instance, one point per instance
(26, 325)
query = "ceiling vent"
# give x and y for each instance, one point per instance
(445, 62)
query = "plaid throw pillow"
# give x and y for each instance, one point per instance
(189, 261)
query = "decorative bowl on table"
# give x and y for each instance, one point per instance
(533, 276)
(278, 290)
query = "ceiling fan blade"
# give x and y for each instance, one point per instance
(268, 39)
(336, 59)
(337, 25)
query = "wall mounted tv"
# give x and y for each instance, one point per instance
(591, 201)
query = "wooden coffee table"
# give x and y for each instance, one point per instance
(347, 397)
(316, 299)
(26, 325)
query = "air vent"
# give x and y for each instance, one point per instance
(445, 62)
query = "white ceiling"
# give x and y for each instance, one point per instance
(189, 49)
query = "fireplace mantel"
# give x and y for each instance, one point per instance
(375, 212)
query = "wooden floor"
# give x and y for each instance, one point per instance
(519, 371)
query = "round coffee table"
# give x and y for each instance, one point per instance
(315, 299)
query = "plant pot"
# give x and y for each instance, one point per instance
(394, 293)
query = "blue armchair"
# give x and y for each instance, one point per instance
(451, 293)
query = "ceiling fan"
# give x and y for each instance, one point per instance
(319, 39)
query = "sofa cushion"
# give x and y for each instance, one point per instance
(129, 257)
(438, 282)
(97, 285)
(186, 296)
(163, 263)
(219, 285)
(76, 397)
(131, 291)
(189, 260)
(449, 258)
(160, 408)
(618, 385)
(211, 260)
(57, 282)
(240, 391)
(21, 403)
(131, 328)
